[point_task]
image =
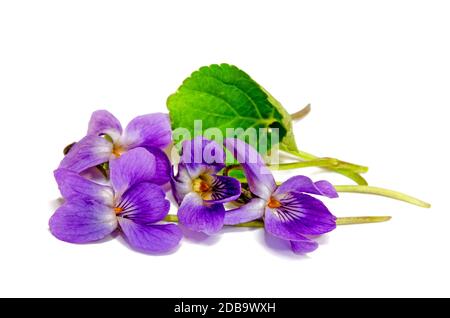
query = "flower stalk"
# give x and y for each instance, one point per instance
(339, 221)
(364, 189)
(382, 192)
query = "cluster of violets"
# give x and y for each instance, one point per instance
(132, 199)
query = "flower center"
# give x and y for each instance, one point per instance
(273, 203)
(200, 186)
(118, 210)
(118, 150)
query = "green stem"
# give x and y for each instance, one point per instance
(301, 113)
(372, 190)
(320, 162)
(350, 170)
(328, 163)
(337, 163)
(339, 221)
(361, 219)
(383, 192)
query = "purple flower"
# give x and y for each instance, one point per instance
(198, 189)
(131, 203)
(105, 140)
(288, 212)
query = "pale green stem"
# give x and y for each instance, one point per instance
(350, 170)
(339, 221)
(338, 163)
(321, 162)
(372, 190)
(383, 192)
(361, 219)
(301, 113)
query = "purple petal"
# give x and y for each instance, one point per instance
(133, 167)
(260, 179)
(156, 238)
(181, 183)
(162, 168)
(88, 152)
(104, 123)
(151, 130)
(143, 203)
(304, 247)
(305, 184)
(223, 189)
(298, 214)
(252, 210)
(200, 152)
(73, 186)
(81, 221)
(199, 216)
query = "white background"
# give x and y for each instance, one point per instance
(376, 73)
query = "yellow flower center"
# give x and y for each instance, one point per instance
(273, 203)
(118, 150)
(118, 210)
(200, 186)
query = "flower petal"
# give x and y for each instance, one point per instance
(303, 247)
(156, 238)
(305, 184)
(298, 214)
(73, 186)
(199, 216)
(260, 179)
(162, 166)
(133, 167)
(181, 183)
(81, 221)
(143, 203)
(102, 122)
(223, 189)
(88, 152)
(151, 130)
(252, 210)
(200, 152)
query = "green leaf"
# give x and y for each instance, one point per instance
(223, 96)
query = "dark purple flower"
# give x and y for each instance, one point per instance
(288, 212)
(132, 203)
(198, 190)
(106, 140)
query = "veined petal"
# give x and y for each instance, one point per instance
(81, 221)
(133, 167)
(73, 186)
(259, 177)
(162, 166)
(303, 247)
(200, 152)
(151, 130)
(181, 183)
(306, 185)
(88, 152)
(223, 189)
(252, 210)
(298, 214)
(102, 122)
(156, 238)
(199, 216)
(143, 203)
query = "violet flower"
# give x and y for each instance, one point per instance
(106, 140)
(198, 189)
(288, 212)
(132, 204)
